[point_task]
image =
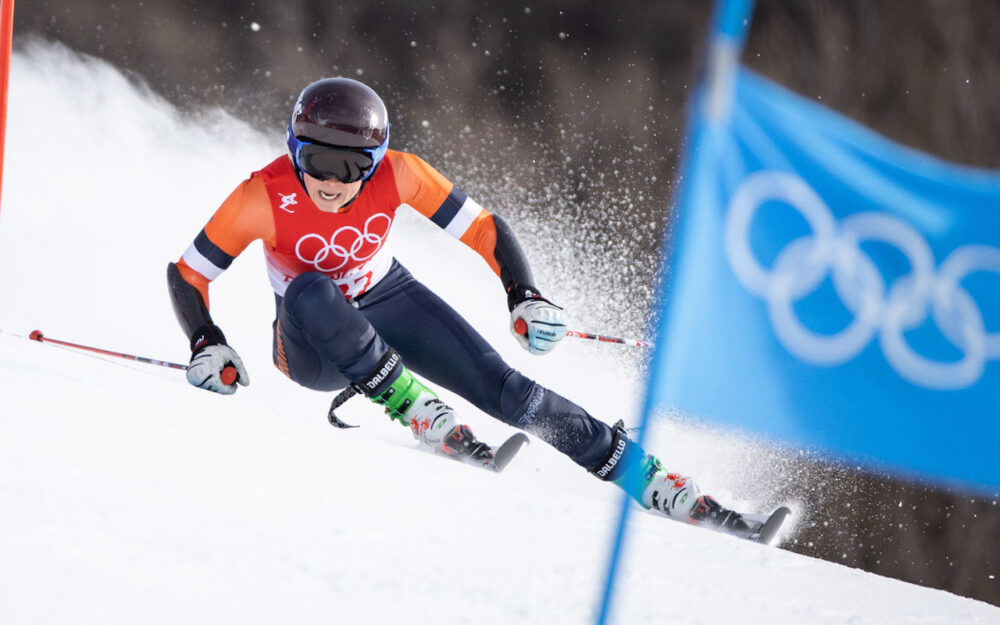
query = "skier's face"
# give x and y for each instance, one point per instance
(330, 195)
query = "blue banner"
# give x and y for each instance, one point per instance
(833, 289)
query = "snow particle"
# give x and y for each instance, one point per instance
(255, 27)
(425, 123)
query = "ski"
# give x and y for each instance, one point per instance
(708, 513)
(769, 529)
(492, 458)
(756, 528)
(503, 454)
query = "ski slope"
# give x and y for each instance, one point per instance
(128, 496)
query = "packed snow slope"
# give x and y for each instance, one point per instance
(128, 496)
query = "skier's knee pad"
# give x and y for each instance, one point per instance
(310, 290)
(323, 338)
(315, 305)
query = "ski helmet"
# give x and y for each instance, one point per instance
(339, 129)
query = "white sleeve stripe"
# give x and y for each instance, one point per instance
(202, 265)
(460, 223)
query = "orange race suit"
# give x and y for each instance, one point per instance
(349, 246)
(323, 342)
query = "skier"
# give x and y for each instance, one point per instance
(347, 312)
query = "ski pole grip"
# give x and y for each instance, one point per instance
(36, 335)
(228, 375)
(521, 327)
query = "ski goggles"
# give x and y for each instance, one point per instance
(323, 161)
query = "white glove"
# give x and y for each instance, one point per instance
(217, 368)
(538, 325)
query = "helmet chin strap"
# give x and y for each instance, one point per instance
(360, 189)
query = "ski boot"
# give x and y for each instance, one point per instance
(677, 496)
(708, 511)
(641, 475)
(462, 444)
(433, 422)
(758, 528)
(670, 494)
(410, 402)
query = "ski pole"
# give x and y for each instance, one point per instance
(228, 374)
(608, 339)
(521, 327)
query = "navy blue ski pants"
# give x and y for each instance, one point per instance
(323, 342)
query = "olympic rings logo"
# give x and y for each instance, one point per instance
(346, 244)
(833, 248)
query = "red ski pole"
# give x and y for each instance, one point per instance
(228, 374)
(607, 339)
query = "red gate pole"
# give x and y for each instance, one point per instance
(6, 34)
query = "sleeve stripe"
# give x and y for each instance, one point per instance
(449, 208)
(466, 215)
(207, 258)
(202, 265)
(212, 252)
(456, 213)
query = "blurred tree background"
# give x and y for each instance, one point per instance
(567, 117)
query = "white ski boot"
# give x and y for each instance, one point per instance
(669, 494)
(433, 422)
(676, 496)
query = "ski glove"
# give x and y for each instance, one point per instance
(537, 324)
(212, 368)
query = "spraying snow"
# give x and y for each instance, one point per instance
(126, 495)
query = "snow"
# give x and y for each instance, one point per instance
(126, 495)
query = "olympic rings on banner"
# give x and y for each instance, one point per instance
(834, 248)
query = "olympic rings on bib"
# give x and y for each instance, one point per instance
(346, 244)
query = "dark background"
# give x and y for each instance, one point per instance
(567, 117)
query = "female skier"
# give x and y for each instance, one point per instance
(347, 312)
